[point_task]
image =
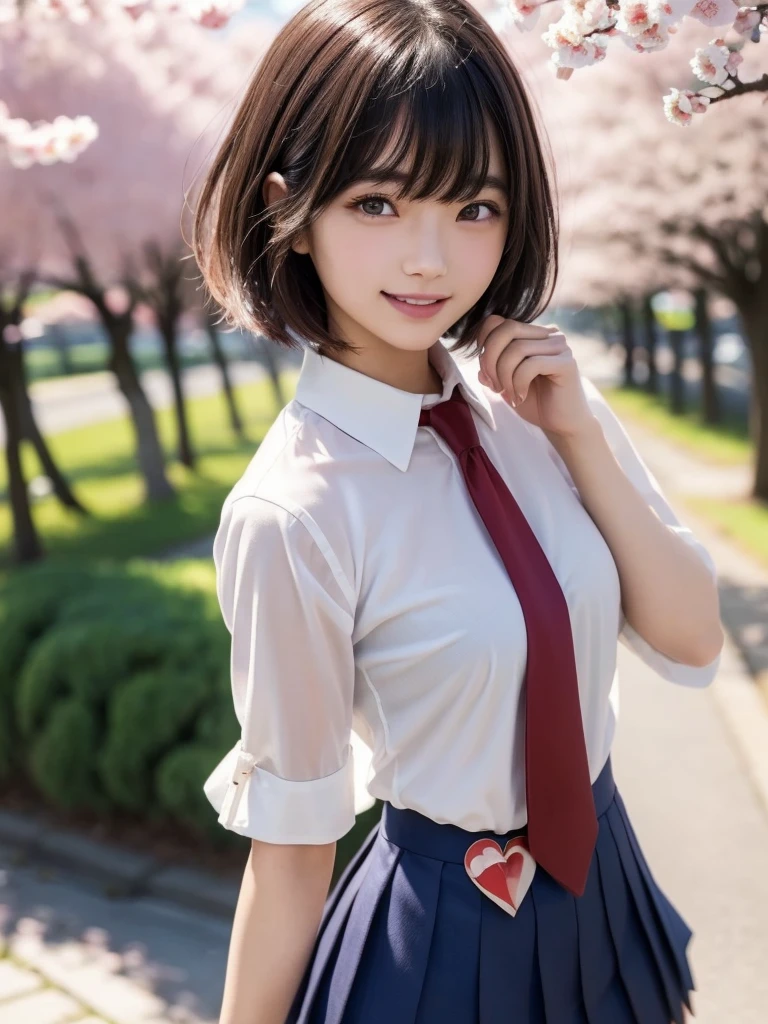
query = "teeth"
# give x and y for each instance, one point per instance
(418, 302)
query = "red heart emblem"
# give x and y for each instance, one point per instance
(503, 877)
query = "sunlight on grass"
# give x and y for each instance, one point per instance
(744, 522)
(98, 462)
(725, 445)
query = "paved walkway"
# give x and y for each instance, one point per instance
(692, 766)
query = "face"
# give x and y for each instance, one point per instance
(367, 243)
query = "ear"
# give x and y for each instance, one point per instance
(274, 188)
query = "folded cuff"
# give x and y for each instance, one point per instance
(255, 803)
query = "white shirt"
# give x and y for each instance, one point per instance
(363, 593)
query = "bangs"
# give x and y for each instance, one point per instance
(434, 123)
(408, 92)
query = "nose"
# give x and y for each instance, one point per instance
(427, 251)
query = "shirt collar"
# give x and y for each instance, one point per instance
(382, 417)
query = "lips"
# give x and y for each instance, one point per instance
(418, 312)
(424, 298)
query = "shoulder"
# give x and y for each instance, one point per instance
(288, 494)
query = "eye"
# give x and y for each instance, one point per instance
(495, 212)
(357, 204)
(375, 197)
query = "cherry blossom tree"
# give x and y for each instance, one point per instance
(579, 38)
(85, 225)
(65, 137)
(643, 196)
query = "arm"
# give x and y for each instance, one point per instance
(288, 784)
(668, 584)
(278, 913)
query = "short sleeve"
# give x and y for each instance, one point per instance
(638, 472)
(287, 605)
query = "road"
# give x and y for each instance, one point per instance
(65, 402)
(692, 766)
(62, 403)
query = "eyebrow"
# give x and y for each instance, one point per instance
(382, 177)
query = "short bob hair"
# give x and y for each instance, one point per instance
(322, 104)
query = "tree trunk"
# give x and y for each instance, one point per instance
(167, 327)
(235, 420)
(755, 318)
(149, 452)
(60, 344)
(607, 327)
(30, 430)
(628, 339)
(651, 338)
(118, 327)
(27, 544)
(710, 404)
(676, 381)
(59, 482)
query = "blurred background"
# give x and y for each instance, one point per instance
(129, 410)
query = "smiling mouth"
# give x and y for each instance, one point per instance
(417, 300)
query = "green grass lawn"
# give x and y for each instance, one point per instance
(98, 461)
(726, 444)
(744, 522)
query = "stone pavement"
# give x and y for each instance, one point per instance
(692, 767)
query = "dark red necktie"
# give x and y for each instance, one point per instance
(562, 824)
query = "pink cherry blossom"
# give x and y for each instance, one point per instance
(212, 13)
(655, 37)
(637, 16)
(135, 8)
(714, 12)
(47, 143)
(709, 63)
(524, 14)
(590, 15)
(734, 59)
(745, 21)
(681, 104)
(572, 48)
(673, 11)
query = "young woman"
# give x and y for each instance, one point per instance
(441, 565)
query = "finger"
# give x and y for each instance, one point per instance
(520, 351)
(497, 333)
(537, 366)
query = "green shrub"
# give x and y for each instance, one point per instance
(27, 609)
(115, 692)
(147, 716)
(116, 667)
(59, 761)
(179, 782)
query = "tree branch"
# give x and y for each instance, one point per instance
(759, 85)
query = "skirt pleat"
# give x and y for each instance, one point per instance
(334, 918)
(672, 923)
(388, 983)
(509, 970)
(407, 938)
(557, 945)
(604, 990)
(449, 991)
(341, 970)
(661, 948)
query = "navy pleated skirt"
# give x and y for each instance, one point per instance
(407, 938)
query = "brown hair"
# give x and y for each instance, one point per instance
(319, 109)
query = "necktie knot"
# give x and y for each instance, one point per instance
(452, 419)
